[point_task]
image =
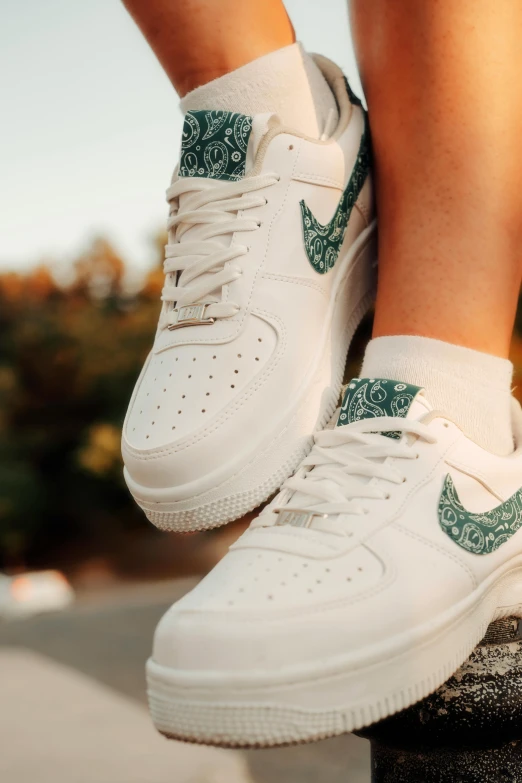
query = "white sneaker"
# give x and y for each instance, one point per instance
(267, 276)
(358, 591)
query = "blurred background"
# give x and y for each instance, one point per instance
(91, 130)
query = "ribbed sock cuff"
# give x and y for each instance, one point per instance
(472, 388)
(286, 82)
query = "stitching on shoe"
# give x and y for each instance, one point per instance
(437, 548)
(297, 281)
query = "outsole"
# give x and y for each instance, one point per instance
(203, 715)
(236, 504)
(270, 724)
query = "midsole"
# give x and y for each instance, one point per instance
(229, 470)
(480, 608)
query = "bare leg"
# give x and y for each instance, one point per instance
(442, 84)
(199, 40)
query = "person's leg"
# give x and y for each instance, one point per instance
(441, 81)
(236, 57)
(197, 41)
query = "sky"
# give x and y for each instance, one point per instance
(91, 126)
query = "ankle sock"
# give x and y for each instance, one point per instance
(286, 82)
(472, 388)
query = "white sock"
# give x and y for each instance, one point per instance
(471, 387)
(286, 82)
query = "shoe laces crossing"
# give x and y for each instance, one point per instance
(351, 463)
(197, 266)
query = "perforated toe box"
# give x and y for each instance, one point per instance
(187, 394)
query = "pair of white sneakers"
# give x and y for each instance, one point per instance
(372, 574)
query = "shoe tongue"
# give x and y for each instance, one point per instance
(368, 398)
(220, 144)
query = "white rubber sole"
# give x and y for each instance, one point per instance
(263, 472)
(308, 703)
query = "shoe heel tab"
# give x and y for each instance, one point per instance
(345, 97)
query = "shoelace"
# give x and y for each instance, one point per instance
(197, 268)
(330, 477)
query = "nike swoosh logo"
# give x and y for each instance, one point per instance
(323, 242)
(481, 533)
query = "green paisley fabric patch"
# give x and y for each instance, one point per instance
(482, 533)
(367, 398)
(323, 242)
(214, 145)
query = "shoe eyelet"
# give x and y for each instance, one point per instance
(445, 424)
(404, 480)
(387, 496)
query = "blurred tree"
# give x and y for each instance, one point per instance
(69, 356)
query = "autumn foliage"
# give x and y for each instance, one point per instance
(70, 352)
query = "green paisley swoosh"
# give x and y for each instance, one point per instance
(323, 242)
(482, 533)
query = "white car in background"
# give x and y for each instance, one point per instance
(23, 595)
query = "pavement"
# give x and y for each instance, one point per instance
(74, 706)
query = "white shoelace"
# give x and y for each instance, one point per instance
(348, 464)
(197, 267)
